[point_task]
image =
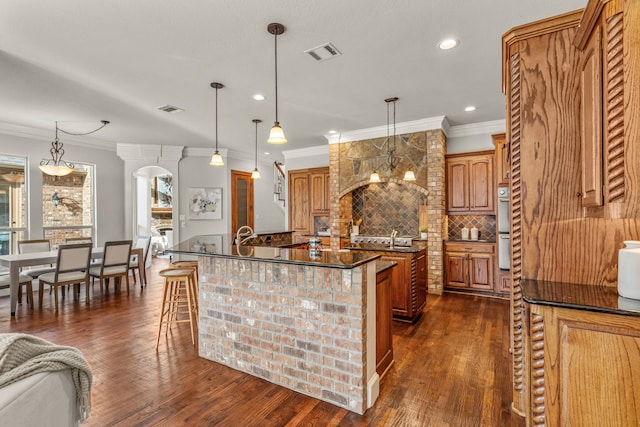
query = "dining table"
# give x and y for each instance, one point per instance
(14, 262)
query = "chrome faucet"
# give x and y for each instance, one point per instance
(394, 233)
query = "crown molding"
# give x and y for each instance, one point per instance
(438, 122)
(494, 126)
(150, 153)
(318, 150)
(48, 135)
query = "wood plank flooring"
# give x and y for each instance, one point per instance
(452, 368)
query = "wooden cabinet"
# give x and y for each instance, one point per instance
(408, 283)
(607, 38)
(308, 197)
(583, 367)
(470, 183)
(384, 313)
(503, 284)
(470, 266)
(502, 158)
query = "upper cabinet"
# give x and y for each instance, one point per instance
(608, 40)
(308, 200)
(470, 183)
(502, 158)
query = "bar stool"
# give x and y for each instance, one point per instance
(189, 264)
(179, 296)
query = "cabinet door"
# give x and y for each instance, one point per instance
(591, 121)
(457, 185)
(504, 283)
(456, 269)
(384, 338)
(481, 271)
(421, 281)
(327, 192)
(299, 219)
(502, 158)
(318, 196)
(481, 195)
(400, 284)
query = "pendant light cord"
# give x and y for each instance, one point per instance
(256, 166)
(276, 67)
(216, 119)
(104, 123)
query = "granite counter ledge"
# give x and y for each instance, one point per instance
(277, 314)
(603, 299)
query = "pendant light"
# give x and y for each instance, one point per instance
(216, 159)
(256, 173)
(55, 166)
(276, 136)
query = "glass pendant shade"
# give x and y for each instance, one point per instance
(56, 170)
(374, 177)
(409, 176)
(255, 174)
(216, 159)
(276, 136)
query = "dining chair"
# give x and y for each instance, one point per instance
(115, 263)
(5, 283)
(72, 267)
(143, 242)
(31, 246)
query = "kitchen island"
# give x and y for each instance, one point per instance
(300, 320)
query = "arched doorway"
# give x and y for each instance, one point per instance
(153, 210)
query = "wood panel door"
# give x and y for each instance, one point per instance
(241, 200)
(455, 264)
(457, 185)
(591, 121)
(384, 311)
(318, 192)
(481, 192)
(299, 219)
(481, 271)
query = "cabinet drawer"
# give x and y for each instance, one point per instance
(470, 247)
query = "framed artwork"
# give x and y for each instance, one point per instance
(205, 203)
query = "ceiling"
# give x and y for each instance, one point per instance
(78, 62)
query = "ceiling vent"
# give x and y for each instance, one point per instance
(170, 109)
(323, 52)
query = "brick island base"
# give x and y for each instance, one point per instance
(308, 328)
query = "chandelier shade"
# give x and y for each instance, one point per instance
(216, 159)
(276, 136)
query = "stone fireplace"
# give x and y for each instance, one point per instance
(392, 203)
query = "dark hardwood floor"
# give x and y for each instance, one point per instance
(452, 368)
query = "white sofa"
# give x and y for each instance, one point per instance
(43, 399)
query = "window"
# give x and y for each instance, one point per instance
(13, 202)
(68, 204)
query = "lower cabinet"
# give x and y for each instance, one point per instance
(470, 266)
(409, 284)
(583, 367)
(384, 313)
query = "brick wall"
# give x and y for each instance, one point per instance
(301, 327)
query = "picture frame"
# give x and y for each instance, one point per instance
(205, 203)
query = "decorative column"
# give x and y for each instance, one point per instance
(436, 202)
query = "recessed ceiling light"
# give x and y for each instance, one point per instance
(258, 97)
(332, 132)
(266, 153)
(447, 44)
(470, 108)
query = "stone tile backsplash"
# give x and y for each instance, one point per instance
(387, 206)
(486, 225)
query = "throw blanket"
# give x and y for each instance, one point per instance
(22, 355)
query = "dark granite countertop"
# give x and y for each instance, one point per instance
(470, 241)
(604, 299)
(385, 248)
(384, 265)
(219, 245)
(266, 233)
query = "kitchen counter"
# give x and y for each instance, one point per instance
(470, 241)
(266, 311)
(219, 245)
(385, 248)
(384, 265)
(603, 299)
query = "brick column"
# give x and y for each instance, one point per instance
(436, 150)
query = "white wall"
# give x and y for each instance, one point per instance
(109, 182)
(195, 171)
(473, 137)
